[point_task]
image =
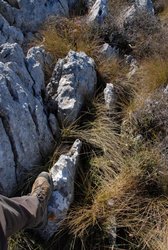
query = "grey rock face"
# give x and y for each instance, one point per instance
(63, 174)
(108, 51)
(26, 138)
(73, 83)
(30, 14)
(139, 6)
(37, 59)
(110, 96)
(98, 12)
(89, 3)
(39, 54)
(9, 33)
(146, 5)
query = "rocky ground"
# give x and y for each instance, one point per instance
(83, 94)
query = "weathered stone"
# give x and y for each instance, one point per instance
(110, 96)
(13, 3)
(9, 33)
(109, 52)
(37, 60)
(53, 123)
(39, 54)
(98, 12)
(71, 86)
(89, 3)
(63, 175)
(146, 5)
(139, 7)
(27, 137)
(30, 14)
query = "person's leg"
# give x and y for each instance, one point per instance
(26, 211)
(18, 213)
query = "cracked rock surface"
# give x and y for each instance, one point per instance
(9, 33)
(71, 86)
(26, 135)
(63, 173)
(28, 15)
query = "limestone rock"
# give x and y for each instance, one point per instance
(146, 5)
(26, 138)
(30, 14)
(9, 33)
(109, 52)
(89, 3)
(39, 54)
(98, 12)
(110, 96)
(127, 17)
(63, 174)
(71, 86)
(37, 60)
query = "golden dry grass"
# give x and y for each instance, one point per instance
(152, 75)
(164, 14)
(62, 35)
(120, 185)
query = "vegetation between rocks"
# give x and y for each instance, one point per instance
(121, 190)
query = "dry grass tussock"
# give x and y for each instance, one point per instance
(61, 35)
(163, 9)
(124, 184)
(151, 76)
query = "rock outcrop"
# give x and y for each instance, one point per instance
(71, 86)
(139, 6)
(63, 174)
(110, 97)
(30, 14)
(109, 52)
(98, 12)
(26, 137)
(9, 33)
(146, 5)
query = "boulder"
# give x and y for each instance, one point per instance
(63, 175)
(71, 86)
(9, 33)
(26, 136)
(31, 14)
(98, 12)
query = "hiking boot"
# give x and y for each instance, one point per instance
(42, 188)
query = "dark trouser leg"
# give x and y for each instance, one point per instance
(16, 214)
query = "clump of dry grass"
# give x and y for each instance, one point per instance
(154, 73)
(22, 241)
(162, 9)
(61, 35)
(123, 184)
(150, 77)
